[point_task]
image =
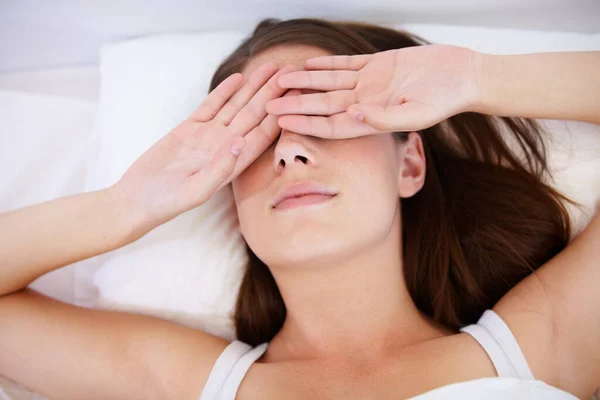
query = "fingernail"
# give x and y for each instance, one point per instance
(235, 150)
(360, 116)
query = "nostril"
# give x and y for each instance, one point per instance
(302, 159)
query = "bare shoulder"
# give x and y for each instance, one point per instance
(75, 352)
(554, 315)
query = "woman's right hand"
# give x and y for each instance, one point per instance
(197, 158)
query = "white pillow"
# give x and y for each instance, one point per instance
(42, 156)
(189, 269)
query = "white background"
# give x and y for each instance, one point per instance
(38, 34)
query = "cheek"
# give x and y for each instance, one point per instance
(374, 188)
(374, 195)
(372, 164)
(250, 177)
(238, 185)
(243, 187)
(252, 184)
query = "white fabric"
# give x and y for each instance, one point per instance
(76, 83)
(11, 390)
(501, 346)
(506, 41)
(515, 380)
(497, 389)
(229, 370)
(64, 102)
(42, 156)
(188, 270)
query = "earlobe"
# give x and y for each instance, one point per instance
(411, 176)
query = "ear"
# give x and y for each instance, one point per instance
(411, 174)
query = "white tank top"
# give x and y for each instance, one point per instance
(490, 331)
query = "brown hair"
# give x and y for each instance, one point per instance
(482, 222)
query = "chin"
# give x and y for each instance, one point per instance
(303, 250)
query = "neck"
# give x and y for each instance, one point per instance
(356, 306)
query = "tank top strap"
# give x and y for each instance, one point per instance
(497, 340)
(229, 370)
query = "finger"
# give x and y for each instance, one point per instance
(338, 126)
(319, 80)
(255, 111)
(338, 62)
(326, 103)
(215, 99)
(405, 117)
(199, 187)
(246, 92)
(258, 141)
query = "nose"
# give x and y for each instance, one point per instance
(291, 153)
(291, 150)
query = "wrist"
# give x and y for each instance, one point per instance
(491, 84)
(479, 65)
(128, 217)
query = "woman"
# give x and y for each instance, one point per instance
(350, 293)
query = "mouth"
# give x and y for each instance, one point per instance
(302, 194)
(303, 200)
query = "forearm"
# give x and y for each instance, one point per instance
(43, 237)
(544, 85)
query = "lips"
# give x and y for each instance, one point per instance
(301, 193)
(305, 200)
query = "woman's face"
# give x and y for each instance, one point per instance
(368, 173)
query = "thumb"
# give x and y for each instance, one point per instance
(403, 117)
(216, 172)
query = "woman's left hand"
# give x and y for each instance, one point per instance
(406, 89)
